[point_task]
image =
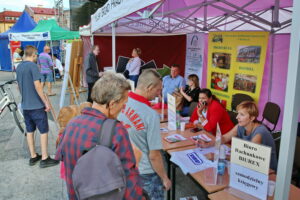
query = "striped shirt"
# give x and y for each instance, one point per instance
(45, 63)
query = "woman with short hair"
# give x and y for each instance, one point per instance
(249, 128)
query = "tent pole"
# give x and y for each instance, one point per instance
(113, 26)
(11, 61)
(51, 46)
(270, 85)
(291, 111)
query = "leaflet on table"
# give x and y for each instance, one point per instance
(208, 150)
(164, 130)
(203, 137)
(190, 161)
(175, 138)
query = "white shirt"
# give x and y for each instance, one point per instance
(134, 66)
(58, 65)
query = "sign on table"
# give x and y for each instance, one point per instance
(171, 112)
(249, 168)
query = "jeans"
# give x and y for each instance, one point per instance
(153, 186)
(134, 78)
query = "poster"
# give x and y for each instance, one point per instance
(171, 112)
(194, 55)
(236, 63)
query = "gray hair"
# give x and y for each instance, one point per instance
(149, 77)
(110, 87)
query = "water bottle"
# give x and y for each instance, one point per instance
(222, 161)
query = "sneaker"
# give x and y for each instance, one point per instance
(33, 161)
(49, 162)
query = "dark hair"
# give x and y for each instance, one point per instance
(30, 50)
(175, 65)
(195, 79)
(208, 93)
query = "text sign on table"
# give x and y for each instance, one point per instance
(249, 168)
(171, 112)
(248, 181)
(251, 155)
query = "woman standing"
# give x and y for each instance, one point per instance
(190, 94)
(134, 65)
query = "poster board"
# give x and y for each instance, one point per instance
(121, 64)
(236, 63)
(149, 65)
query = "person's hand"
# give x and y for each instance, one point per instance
(167, 183)
(182, 91)
(47, 107)
(204, 144)
(200, 107)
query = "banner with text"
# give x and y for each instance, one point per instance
(116, 9)
(30, 36)
(249, 170)
(171, 112)
(236, 63)
(194, 55)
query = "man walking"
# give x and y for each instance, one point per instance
(46, 67)
(143, 126)
(92, 70)
(35, 106)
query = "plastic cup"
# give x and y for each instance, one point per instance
(182, 126)
(271, 188)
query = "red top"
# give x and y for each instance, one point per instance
(139, 98)
(216, 113)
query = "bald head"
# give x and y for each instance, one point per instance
(47, 49)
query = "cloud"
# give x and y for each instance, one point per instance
(19, 5)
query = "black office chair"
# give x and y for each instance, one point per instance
(236, 100)
(271, 114)
(193, 105)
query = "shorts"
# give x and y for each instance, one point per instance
(47, 77)
(153, 186)
(36, 119)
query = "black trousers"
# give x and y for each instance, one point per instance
(90, 87)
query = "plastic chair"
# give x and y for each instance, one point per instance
(236, 100)
(271, 114)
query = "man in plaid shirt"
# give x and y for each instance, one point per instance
(109, 95)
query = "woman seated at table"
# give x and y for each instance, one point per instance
(210, 112)
(190, 94)
(134, 65)
(248, 128)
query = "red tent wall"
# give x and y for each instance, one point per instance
(163, 49)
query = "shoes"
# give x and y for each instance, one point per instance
(33, 161)
(49, 162)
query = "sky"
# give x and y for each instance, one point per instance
(19, 5)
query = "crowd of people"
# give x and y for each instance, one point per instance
(136, 137)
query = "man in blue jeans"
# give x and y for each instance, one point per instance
(35, 106)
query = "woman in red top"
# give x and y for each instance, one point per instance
(210, 112)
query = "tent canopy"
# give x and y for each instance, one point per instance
(185, 16)
(45, 30)
(25, 23)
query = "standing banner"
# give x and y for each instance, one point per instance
(171, 112)
(236, 63)
(194, 55)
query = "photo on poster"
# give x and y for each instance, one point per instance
(219, 81)
(245, 82)
(221, 60)
(248, 54)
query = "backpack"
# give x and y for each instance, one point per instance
(98, 174)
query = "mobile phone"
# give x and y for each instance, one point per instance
(194, 130)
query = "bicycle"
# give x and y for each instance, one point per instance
(8, 101)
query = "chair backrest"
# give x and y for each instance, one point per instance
(239, 98)
(271, 113)
(193, 105)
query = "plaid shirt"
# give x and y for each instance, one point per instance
(82, 133)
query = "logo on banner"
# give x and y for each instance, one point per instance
(45, 35)
(217, 38)
(195, 158)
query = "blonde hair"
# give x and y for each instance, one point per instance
(250, 107)
(195, 79)
(148, 78)
(138, 51)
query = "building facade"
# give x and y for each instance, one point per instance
(8, 19)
